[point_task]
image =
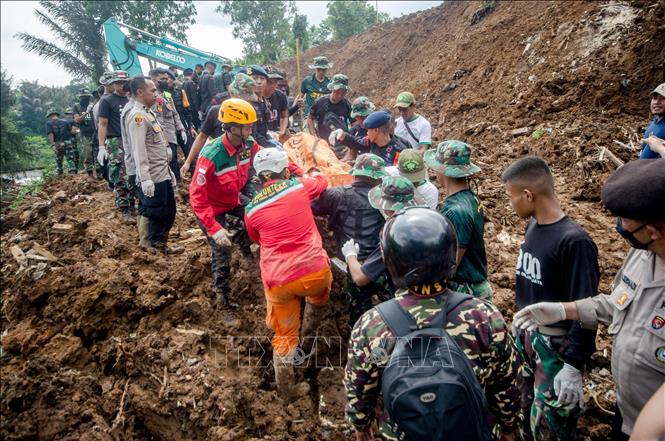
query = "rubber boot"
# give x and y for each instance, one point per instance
(312, 318)
(142, 223)
(126, 217)
(287, 390)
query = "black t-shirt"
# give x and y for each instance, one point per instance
(212, 126)
(61, 129)
(373, 267)
(260, 132)
(330, 116)
(358, 130)
(277, 104)
(87, 126)
(110, 107)
(559, 263)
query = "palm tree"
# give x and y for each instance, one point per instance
(82, 52)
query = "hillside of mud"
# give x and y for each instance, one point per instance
(102, 341)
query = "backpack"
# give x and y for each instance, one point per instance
(429, 388)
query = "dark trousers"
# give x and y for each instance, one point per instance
(173, 165)
(160, 211)
(221, 255)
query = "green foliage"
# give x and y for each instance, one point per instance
(34, 100)
(263, 27)
(347, 18)
(299, 30)
(539, 133)
(319, 34)
(76, 25)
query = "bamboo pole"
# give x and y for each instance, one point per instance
(298, 81)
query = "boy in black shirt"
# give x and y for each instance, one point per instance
(332, 111)
(558, 262)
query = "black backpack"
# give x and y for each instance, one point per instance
(429, 388)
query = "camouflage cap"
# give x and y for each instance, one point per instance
(394, 193)
(104, 79)
(339, 81)
(243, 87)
(69, 111)
(370, 165)
(320, 63)
(118, 76)
(52, 112)
(405, 99)
(226, 64)
(85, 92)
(451, 158)
(411, 165)
(273, 73)
(361, 106)
(660, 90)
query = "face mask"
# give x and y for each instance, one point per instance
(630, 236)
(163, 85)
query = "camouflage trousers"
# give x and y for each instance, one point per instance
(359, 298)
(542, 418)
(65, 149)
(124, 198)
(481, 290)
(88, 160)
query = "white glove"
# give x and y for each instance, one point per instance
(148, 188)
(568, 386)
(183, 134)
(350, 248)
(335, 135)
(222, 237)
(539, 314)
(101, 155)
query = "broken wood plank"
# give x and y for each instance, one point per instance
(62, 227)
(521, 131)
(191, 239)
(629, 147)
(18, 255)
(611, 156)
(43, 252)
(190, 331)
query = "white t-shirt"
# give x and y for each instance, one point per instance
(420, 127)
(428, 191)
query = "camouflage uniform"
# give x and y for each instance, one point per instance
(124, 199)
(243, 87)
(69, 116)
(542, 418)
(62, 142)
(453, 159)
(361, 106)
(477, 327)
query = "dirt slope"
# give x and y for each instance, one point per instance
(109, 342)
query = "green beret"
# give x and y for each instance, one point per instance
(637, 191)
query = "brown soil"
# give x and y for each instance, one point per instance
(111, 342)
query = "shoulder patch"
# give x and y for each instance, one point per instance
(200, 178)
(138, 119)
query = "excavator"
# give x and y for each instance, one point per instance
(124, 51)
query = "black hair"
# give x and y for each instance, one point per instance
(532, 172)
(188, 71)
(157, 71)
(269, 175)
(100, 90)
(138, 82)
(125, 87)
(211, 63)
(198, 65)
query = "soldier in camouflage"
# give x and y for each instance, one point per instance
(350, 216)
(59, 132)
(451, 162)
(360, 108)
(477, 327)
(69, 116)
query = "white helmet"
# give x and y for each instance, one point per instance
(270, 159)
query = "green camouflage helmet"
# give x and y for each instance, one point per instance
(452, 158)
(104, 79)
(370, 165)
(339, 81)
(394, 194)
(320, 63)
(118, 76)
(52, 112)
(243, 87)
(361, 106)
(69, 111)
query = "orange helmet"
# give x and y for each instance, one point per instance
(235, 110)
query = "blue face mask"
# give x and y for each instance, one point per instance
(630, 235)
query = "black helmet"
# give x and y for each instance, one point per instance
(419, 247)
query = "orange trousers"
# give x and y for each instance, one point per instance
(283, 307)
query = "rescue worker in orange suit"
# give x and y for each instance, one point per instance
(220, 189)
(293, 262)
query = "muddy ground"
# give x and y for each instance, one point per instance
(101, 340)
